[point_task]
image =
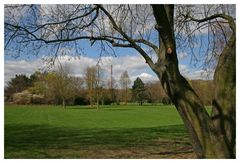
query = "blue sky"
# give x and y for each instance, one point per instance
(125, 59)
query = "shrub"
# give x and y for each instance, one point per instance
(80, 101)
(23, 97)
(107, 101)
(37, 99)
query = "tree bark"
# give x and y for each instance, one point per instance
(224, 102)
(206, 141)
(206, 138)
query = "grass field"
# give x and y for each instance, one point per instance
(82, 132)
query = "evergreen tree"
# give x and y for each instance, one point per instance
(138, 89)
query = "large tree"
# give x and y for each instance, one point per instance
(59, 85)
(149, 29)
(94, 83)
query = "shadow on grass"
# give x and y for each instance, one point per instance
(37, 141)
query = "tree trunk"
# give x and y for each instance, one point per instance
(224, 102)
(97, 98)
(126, 94)
(64, 103)
(207, 140)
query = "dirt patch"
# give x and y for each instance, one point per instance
(128, 153)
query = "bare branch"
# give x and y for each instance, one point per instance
(230, 20)
(130, 40)
(72, 19)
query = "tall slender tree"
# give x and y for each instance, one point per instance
(125, 82)
(91, 79)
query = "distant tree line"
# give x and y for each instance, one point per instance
(59, 88)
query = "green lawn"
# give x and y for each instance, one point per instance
(82, 132)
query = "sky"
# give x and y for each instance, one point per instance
(131, 62)
(125, 60)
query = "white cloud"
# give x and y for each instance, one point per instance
(195, 74)
(134, 64)
(182, 55)
(147, 77)
(184, 69)
(201, 74)
(130, 25)
(18, 12)
(20, 67)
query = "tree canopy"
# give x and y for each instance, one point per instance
(139, 92)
